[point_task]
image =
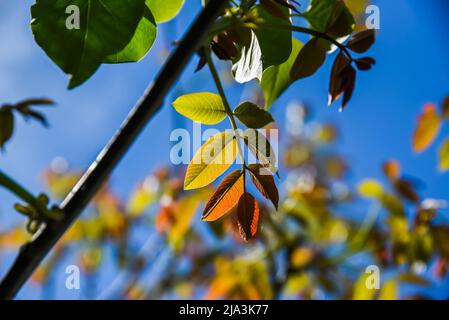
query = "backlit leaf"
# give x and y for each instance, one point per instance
(326, 15)
(264, 182)
(389, 290)
(225, 198)
(370, 189)
(203, 107)
(444, 156)
(276, 79)
(165, 10)
(106, 27)
(429, 123)
(248, 216)
(261, 148)
(252, 116)
(211, 160)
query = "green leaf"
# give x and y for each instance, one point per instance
(252, 116)
(330, 16)
(203, 107)
(106, 27)
(444, 156)
(141, 42)
(165, 10)
(6, 126)
(276, 79)
(275, 43)
(309, 60)
(211, 160)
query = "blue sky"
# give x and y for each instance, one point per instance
(412, 69)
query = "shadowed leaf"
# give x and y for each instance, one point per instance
(252, 116)
(309, 60)
(362, 41)
(264, 182)
(248, 216)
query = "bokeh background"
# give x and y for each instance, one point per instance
(412, 69)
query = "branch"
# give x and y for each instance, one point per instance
(32, 253)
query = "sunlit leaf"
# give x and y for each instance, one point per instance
(361, 291)
(225, 198)
(389, 290)
(250, 65)
(252, 116)
(211, 160)
(370, 189)
(248, 216)
(427, 129)
(276, 79)
(164, 10)
(444, 156)
(327, 15)
(261, 148)
(264, 182)
(203, 107)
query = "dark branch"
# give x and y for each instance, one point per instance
(32, 253)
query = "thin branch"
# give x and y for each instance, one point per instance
(32, 253)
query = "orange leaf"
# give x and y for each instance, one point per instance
(429, 123)
(264, 182)
(225, 198)
(392, 169)
(248, 216)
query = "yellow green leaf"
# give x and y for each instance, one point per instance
(429, 123)
(203, 107)
(211, 160)
(389, 290)
(444, 156)
(370, 188)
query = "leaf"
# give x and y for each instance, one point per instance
(361, 290)
(165, 10)
(276, 79)
(444, 156)
(264, 182)
(326, 15)
(141, 42)
(106, 27)
(6, 126)
(370, 188)
(248, 216)
(203, 107)
(275, 44)
(250, 65)
(225, 198)
(211, 160)
(392, 170)
(261, 148)
(349, 76)
(362, 41)
(389, 290)
(336, 85)
(364, 64)
(252, 116)
(429, 123)
(309, 60)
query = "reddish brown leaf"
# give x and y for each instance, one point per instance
(407, 190)
(248, 216)
(362, 41)
(365, 64)
(225, 198)
(309, 60)
(429, 123)
(264, 182)
(445, 108)
(336, 81)
(349, 76)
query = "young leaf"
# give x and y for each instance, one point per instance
(276, 79)
(165, 10)
(225, 198)
(444, 156)
(336, 85)
(105, 28)
(429, 123)
(252, 116)
(309, 60)
(250, 65)
(141, 42)
(203, 107)
(6, 126)
(264, 182)
(362, 41)
(261, 148)
(248, 216)
(211, 160)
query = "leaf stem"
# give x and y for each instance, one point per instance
(228, 109)
(22, 193)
